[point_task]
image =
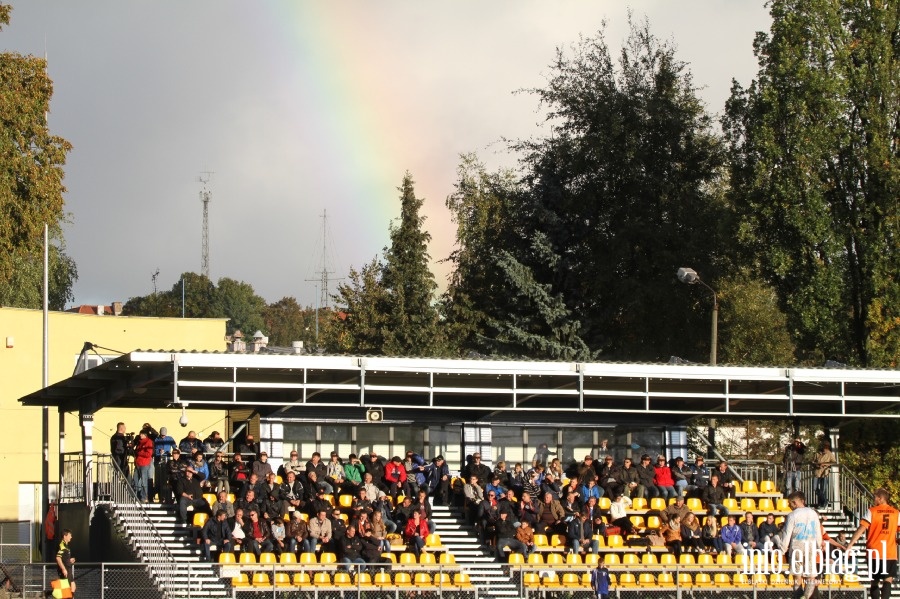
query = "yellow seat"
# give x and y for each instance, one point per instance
(210, 498)
(558, 541)
(638, 503)
(536, 559)
(657, 503)
(227, 557)
(653, 522)
(686, 559)
(730, 503)
(767, 486)
(601, 540)
(740, 580)
(685, 580)
(345, 518)
(777, 579)
(603, 504)
(531, 579)
(327, 558)
(200, 519)
(665, 579)
(749, 486)
(739, 559)
(554, 559)
(722, 579)
(571, 580)
(407, 558)
(782, 505)
(637, 521)
(461, 579)
(240, 580)
(442, 579)
(278, 479)
(748, 504)
(723, 559)
(383, 579)
(390, 557)
(630, 559)
(329, 499)
(322, 579)
(702, 580)
(247, 558)
(765, 504)
(267, 558)
(363, 580)
(447, 559)
(550, 579)
(427, 559)
(586, 580)
(345, 501)
(301, 579)
(591, 559)
(649, 559)
(422, 579)
(231, 498)
(705, 559)
(341, 579)
(573, 559)
(694, 504)
(433, 540)
(515, 559)
(282, 579)
(308, 558)
(541, 541)
(614, 541)
(668, 559)
(610, 559)
(261, 579)
(627, 580)
(851, 580)
(759, 580)
(287, 557)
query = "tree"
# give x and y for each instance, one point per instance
(286, 321)
(361, 317)
(412, 319)
(753, 329)
(625, 191)
(237, 301)
(31, 189)
(816, 174)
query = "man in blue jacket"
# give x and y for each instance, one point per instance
(600, 579)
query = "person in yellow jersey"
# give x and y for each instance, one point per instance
(65, 561)
(880, 523)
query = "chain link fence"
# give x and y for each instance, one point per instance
(16, 539)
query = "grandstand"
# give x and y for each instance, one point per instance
(502, 409)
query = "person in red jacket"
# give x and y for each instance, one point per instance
(143, 465)
(395, 477)
(665, 484)
(416, 531)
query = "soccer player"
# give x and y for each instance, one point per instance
(881, 526)
(800, 538)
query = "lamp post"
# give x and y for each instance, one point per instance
(690, 277)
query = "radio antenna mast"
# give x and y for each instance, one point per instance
(205, 196)
(324, 275)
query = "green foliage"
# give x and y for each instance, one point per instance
(361, 320)
(286, 321)
(752, 329)
(816, 174)
(869, 448)
(31, 189)
(238, 301)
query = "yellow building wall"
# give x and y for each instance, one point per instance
(21, 373)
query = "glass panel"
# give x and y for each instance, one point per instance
(301, 437)
(507, 445)
(635, 442)
(543, 439)
(577, 443)
(446, 441)
(373, 436)
(410, 438)
(335, 437)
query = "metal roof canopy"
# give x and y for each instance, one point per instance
(311, 386)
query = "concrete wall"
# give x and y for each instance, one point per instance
(21, 339)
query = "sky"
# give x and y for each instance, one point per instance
(301, 108)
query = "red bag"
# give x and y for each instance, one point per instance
(613, 530)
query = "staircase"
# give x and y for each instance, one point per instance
(485, 572)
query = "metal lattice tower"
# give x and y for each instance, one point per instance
(324, 279)
(205, 196)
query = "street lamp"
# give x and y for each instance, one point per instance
(690, 277)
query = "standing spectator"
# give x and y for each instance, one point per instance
(600, 579)
(375, 467)
(189, 446)
(792, 462)
(190, 495)
(474, 495)
(646, 474)
(801, 538)
(532, 484)
(540, 455)
(437, 477)
(421, 503)
(665, 486)
(118, 448)
(712, 539)
(732, 539)
(488, 516)
(162, 449)
(726, 479)
(174, 471)
(603, 450)
(555, 468)
(880, 524)
(218, 474)
(714, 496)
(823, 461)
(143, 465)
(215, 532)
(700, 473)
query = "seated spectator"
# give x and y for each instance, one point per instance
(351, 548)
(732, 539)
(571, 506)
(294, 465)
(218, 474)
(525, 534)
(257, 536)
(551, 485)
(609, 478)
(517, 479)
(495, 486)
(249, 503)
(201, 471)
(591, 490)
(646, 475)
(396, 479)
(261, 467)
(690, 534)
(215, 533)
(501, 473)
(713, 496)
(665, 486)
(334, 473)
(222, 503)
(726, 479)
(415, 532)
(474, 496)
(291, 493)
(618, 514)
(710, 533)
(750, 533)
(379, 531)
(437, 478)
(682, 475)
(528, 511)
(580, 535)
(671, 532)
(278, 535)
(353, 475)
(374, 466)
(240, 474)
(676, 510)
(403, 512)
(237, 529)
(768, 530)
(550, 516)
(320, 533)
(317, 471)
(297, 533)
(190, 496)
(506, 537)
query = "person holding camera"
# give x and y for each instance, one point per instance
(118, 448)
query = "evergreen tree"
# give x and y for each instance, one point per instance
(816, 174)
(361, 317)
(412, 326)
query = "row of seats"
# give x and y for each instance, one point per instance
(327, 558)
(684, 579)
(633, 559)
(460, 580)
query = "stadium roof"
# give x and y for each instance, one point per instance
(317, 387)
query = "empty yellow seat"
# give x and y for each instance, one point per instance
(247, 558)
(782, 505)
(531, 579)
(649, 559)
(658, 503)
(200, 519)
(591, 559)
(748, 504)
(383, 579)
(433, 540)
(260, 579)
(638, 503)
(630, 559)
(240, 580)
(407, 558)
(722, 579)
(573, 559)
(282, 579)
(767, 486)
(613, 541)
(637, 521)
(611, 559)
(627, 580)
(686, 559)
(427, 559)
(702, 580)
(341, 579)
(327, 558)
(749, 486)
(765, 504)
(402, 579)
(442, 579)
(694, 504)
(267, 557)
(571, 580)
(422, 579)
(536, 559)
(705, 559)
(665, 579)
(345, 501)
(550, 579)
(308, 558)
(851, 580)
(730, 503)
(515, 559)
(301, 579)
(604, 503)
(322, 579)
(554, 559)
(740, 580)
(777, 579)
(558, 541)
(461, 579)
(653, 522)
(684, 579)
(541, 541)
(227, 557)
(668, 559)
(447, 559)
(723, 559)
(288, 557)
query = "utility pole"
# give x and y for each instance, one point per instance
(205, 196)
